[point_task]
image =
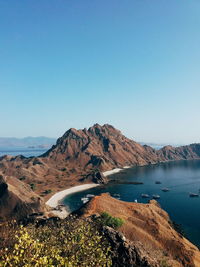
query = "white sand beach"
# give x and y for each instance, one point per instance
(107, 173)
(116, 170)
(56, 199)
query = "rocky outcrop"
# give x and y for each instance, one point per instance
(148, 230)
(17, 200)
(125, 253)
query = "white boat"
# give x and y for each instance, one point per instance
(135, 200)
(194, 195)
(84, 199)
(89, 195)
(165, 189)
(156, 196)
(145, 196)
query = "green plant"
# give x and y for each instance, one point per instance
(108, 220)
(22, 178)
(163, 263)
(69, 243)
(32, 186)
(48, 191)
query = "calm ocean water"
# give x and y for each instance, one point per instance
(27, 152)
(180, 177)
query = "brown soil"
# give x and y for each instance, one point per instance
(147, 224)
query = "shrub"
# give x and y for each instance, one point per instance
(32, 186)
(163, 263)
(47, 191)
(69, 243)
(111, 221)
(22, 178)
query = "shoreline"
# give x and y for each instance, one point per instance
(55, 201)
(116, 170)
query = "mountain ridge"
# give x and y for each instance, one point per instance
(79, 155)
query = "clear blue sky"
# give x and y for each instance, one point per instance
(134, 64)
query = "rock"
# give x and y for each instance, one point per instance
(17, 200)
(3, 187)
(125, 253)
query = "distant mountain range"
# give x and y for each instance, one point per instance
(27, 141)
(159, 145)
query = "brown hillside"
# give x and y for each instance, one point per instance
(17, 200)
(147, 224)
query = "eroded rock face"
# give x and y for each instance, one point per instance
(126, 253)
(3, 187)
(17, 200)
(95, 176)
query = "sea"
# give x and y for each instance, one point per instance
(180, 177)
(25, 151)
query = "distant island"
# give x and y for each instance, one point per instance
(27, 142)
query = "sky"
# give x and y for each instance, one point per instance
(134, 64)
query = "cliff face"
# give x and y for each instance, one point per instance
(17, 200)
(147, 229)
(79, 155)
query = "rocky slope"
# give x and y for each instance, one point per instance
(148, 233)
(17, 200)
(80, 155)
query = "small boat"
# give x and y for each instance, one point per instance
(194, 195)
(157, 182)
(84, 199)
(165, 189)
(89, 195)
(116, 195)
(145, 196)
(135, 200)
(155, 196)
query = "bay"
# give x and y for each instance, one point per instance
(181, 177)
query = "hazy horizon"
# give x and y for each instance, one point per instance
(55, 138)
(132, 64)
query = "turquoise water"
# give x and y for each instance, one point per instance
(180, 177)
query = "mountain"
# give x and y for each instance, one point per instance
(26, 141)
(79, 156)
(105, 147)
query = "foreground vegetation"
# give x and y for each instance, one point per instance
(71, 242)
(107, 220)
